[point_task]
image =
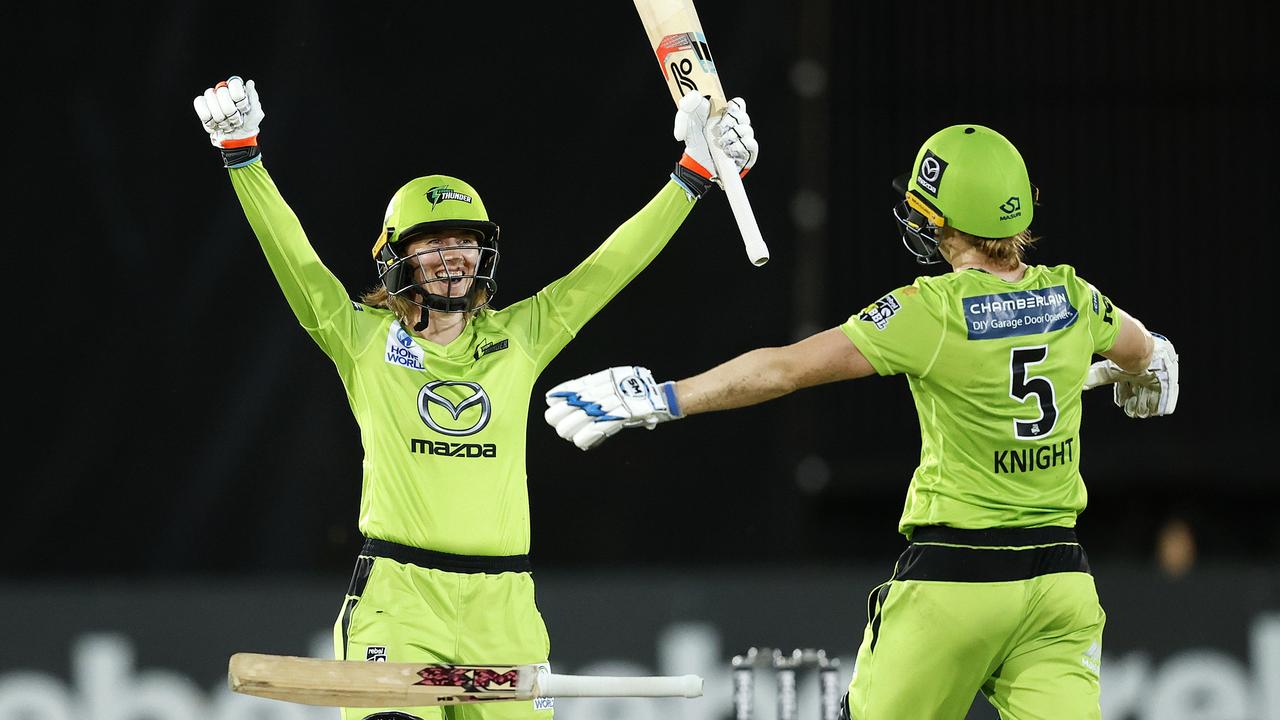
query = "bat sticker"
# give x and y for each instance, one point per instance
(677, 71)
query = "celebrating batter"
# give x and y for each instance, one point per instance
(994, 592)
(439, 382)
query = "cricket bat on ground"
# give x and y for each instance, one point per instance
(675, 34)
(336, 683)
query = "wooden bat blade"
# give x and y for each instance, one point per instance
(336, 683)
(675, 34)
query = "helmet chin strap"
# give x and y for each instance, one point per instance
(440, 303)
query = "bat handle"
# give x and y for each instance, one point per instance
(757, 251)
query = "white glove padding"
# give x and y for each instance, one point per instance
(594, 407)
(732, 131)
(230, 112)
(1150, 393)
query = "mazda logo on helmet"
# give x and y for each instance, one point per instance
(440, 394)
(929, 176)
(930, 168)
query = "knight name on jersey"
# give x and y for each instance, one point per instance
(1022, 312)
(1040, 457)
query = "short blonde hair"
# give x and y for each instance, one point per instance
(1005, 253)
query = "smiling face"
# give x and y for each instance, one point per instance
(445, 261)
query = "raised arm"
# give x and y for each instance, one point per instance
(231, 113)
(575, 298)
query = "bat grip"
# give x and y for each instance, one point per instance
(757, 251)
(551, 685)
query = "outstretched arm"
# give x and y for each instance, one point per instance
(768, 373)
(594, 407)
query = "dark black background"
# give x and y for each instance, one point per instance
(169, 416)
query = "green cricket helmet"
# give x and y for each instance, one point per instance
(969, 177)
(426, 204)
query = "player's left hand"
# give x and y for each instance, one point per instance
(1151, 393)
(591, 409)
(731, 131)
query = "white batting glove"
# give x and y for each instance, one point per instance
(231, 113)
(1151, 393)
(732, 131)
(589, 410)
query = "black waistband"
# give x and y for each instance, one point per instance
(998, 555)
(448, 562)
(994, 537)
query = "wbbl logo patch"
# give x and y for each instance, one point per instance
(879, 312)
(376, 653)
(929, 175)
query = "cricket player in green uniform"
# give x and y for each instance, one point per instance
(994, 592)
(439, 382)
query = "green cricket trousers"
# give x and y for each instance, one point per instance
(1010, 612)
(406, 604)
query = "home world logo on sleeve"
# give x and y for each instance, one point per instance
(402, 350)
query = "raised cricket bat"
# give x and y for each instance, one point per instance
(675, 33)
(336, 683)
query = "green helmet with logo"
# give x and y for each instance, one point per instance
(969, 177)
(425, 204)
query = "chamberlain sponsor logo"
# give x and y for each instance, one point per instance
(879, 312)
(401, 350)
(1029, 459)
(1023, 312)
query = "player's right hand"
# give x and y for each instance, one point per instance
(231, 113)
(591, 409)
(1150, 393)
(731, 131)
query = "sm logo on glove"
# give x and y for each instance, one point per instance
(633, 387)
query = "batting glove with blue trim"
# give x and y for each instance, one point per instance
(591, 409)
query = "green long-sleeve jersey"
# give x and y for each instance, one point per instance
(443, 427)
(996, 369)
